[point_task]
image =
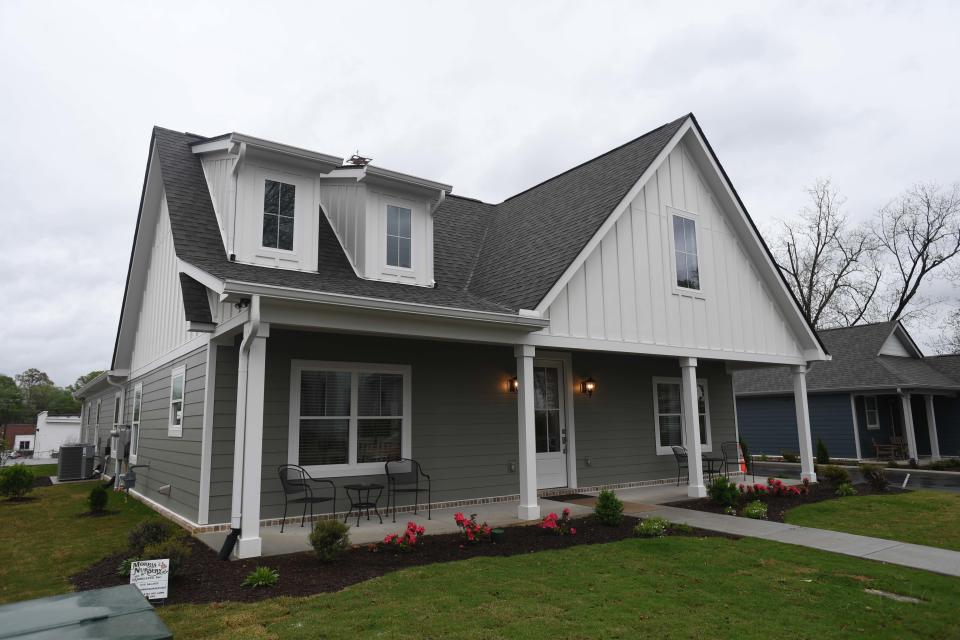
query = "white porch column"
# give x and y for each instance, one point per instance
(529, 509)
(932, 426)
(908, 426)
(691, 427)
(803, 423)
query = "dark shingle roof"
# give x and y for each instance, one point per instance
(196, 307)
(856, 364)
(948, 365)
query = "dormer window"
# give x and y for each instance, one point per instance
(398, 237)
(278, 205)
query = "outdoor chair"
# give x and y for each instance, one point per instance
(883, 450)
(899, 446)
(731, 456)
(406, 476)
(680, 454)
(300, 488)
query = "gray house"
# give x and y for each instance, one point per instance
(877, 397)
(284, 306)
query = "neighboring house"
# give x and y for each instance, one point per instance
(54, 431)
(284, 307)
(19, 437)
(877, 386)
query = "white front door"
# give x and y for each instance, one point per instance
(551, 431)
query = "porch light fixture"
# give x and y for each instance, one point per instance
(588, 386)
(514, 384)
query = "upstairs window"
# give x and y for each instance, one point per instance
(278, 205)
(398, 237)
(685, 252)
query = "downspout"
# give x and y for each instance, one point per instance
(116, 422)
(236, 511)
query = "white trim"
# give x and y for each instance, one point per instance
(566, 360)
(135, 421)
(351, 468)
(706, 447)
(932, 427)
(871, 426)
(206, 438)
(672, 249)
(908, 428)
(176, 430)
(856, 425)
(201, 276)
(186, 348)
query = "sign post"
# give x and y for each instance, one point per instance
(151, 577)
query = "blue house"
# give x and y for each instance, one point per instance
(878, 397)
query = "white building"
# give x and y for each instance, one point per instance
(54, 431)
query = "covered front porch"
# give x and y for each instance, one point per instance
(897, 424)
(491, 422)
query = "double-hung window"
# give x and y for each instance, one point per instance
(668, 415)
(873, 412)
(399, 238)
(348, 418)
(177, 380)
(135, 421)
(685, 252)
(279, 199)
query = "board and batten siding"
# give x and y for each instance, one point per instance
(345, 204)
(464, 418)
(173, 461)
(768, 424)
(624, 292)
(161, 324)
(218, 170)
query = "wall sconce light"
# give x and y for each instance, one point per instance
(588, 461)
(511, 467)
(514, 384)
(588, 386)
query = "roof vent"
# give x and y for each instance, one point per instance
(359, 161)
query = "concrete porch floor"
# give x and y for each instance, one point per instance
(498, 514)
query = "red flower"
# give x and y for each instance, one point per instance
(573, 531)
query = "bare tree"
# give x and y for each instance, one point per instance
(829, 265)
(949, 342)
(919, 232)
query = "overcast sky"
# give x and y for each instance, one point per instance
(490, 97)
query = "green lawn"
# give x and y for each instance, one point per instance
(44, 469)
(45, 540)
(660, 588)
(921, 517)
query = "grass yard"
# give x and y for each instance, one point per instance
(921, 517)
(43, 469)
(45, 539)
(669, 587)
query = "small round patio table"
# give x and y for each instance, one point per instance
(360, 497)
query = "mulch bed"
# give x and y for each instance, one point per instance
(207, 579)
(777, 506)
(42, 481)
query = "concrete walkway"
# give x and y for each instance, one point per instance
(900, 553)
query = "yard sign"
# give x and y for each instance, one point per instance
(151, 576)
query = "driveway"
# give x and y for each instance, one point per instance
(942, 481)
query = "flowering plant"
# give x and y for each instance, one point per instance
(558, 526)
(472, 530)
(407, 540)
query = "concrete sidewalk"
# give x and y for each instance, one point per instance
(900, 553)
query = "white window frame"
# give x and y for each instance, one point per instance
(96, 425)
(695, 218)
(387, 236)
(706, 447)
(136, 414)
(871, 426)
(352, 468)
(262, 191)
(176, 430)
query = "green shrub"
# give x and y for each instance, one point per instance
(173, 548)
(97, 500)
(945, 464)
(834, 474)
(329, 539)
(845, 489)
(16, 481)
(680, 527)
(756, 510)
(875, 476)
(763, 457)
(609, 509)
(651, 528)
(261, 577)
(823, 456)
(148, 532)
(893, 464)
(123, 569)
(790, 457)
(723, 492)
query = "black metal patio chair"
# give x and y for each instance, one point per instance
(680, 454)
(300, 488)
(405, 475)
(731, 456)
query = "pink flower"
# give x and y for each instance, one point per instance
(566, 511)
(573, 531)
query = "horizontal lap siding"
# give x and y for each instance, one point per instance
(615, 427)
(948, 425)
(768, 424)
(891, 422)
(224, 420)
(173, 461)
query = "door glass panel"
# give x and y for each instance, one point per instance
(546, 404)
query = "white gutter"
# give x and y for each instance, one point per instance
(236, 510)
